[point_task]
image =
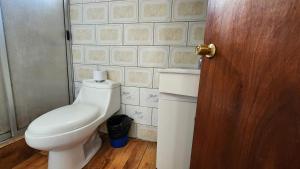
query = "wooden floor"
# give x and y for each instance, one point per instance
(14, 151)
(136, 154)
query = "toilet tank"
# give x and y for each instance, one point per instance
(105, 95)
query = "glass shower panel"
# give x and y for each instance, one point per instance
(36, 47)
(4, 122)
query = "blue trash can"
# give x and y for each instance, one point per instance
(118, 127)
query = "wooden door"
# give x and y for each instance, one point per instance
(248, 113)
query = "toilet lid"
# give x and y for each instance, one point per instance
(64, 119)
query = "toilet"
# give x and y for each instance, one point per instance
(69, 133)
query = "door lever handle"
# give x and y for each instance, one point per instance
(208, 51)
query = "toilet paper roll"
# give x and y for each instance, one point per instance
(100, 76)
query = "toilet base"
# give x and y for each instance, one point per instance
(75, 157)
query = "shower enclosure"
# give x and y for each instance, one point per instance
(35, 62)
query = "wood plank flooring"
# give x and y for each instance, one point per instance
(13, 152)
(136, 154)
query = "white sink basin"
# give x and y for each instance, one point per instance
(179, 81)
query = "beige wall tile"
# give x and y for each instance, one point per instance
(156, 78)
(114, 73)
(153, 56)
(170, 33)
(155, 10)
(141, 115)
(155, 117)
(123, 11)
(133, 131)
(124, 55)
(75, 1)
(122, 110)
(109, 34)
(82, 72)
(184, 57)
(138, 34)
(130, 95)
(139, 77)
(146, 132)
(83, 34)
(189, 10)
(149, 97)
(76, 14)
(97, 55)
(196, 33)
(77, 52)
(95, 13)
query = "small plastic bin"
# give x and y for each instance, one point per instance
(118, 127)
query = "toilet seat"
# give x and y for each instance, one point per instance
(63, 119)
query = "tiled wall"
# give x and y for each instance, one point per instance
(132, 39)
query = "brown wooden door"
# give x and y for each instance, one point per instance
(248, 113)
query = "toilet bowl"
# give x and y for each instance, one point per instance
(69, 133)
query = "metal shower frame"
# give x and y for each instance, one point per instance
(14, 131)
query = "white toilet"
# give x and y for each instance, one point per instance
(69, 133)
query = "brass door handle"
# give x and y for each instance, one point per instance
(206, 50)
